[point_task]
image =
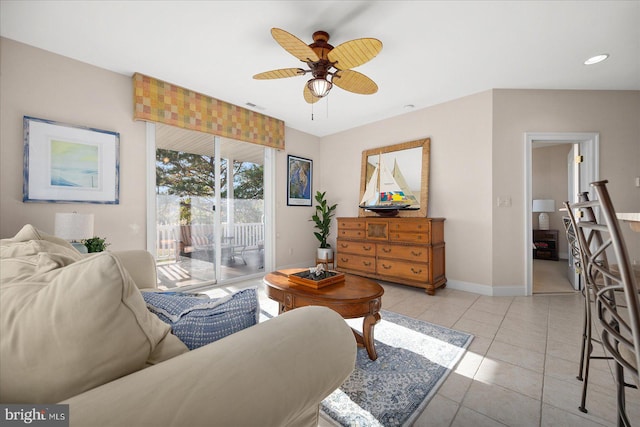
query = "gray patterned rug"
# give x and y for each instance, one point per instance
(414, 359)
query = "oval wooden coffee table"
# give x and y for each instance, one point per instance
(353, 298)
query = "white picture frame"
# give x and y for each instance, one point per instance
(66, 163)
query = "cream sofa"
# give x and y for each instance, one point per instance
(74, 329)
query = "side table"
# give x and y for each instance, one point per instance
(546, 244)
(355, 297)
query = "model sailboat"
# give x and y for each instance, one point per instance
(387, 192)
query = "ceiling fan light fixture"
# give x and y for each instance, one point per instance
(319, 87)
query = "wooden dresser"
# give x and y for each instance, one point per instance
(408, 251)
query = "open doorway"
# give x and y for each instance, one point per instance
(550, 168)
(551, 174)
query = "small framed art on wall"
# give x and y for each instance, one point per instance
(299, 178)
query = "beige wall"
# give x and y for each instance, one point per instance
(295, 243)
(460, 176)
(549, 172)
(613, 114)
(40, 84)
(477, 154)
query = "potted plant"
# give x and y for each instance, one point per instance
(322, 218)
(96, 244)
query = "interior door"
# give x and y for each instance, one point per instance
(573, 186)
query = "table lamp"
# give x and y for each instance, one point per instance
(543, 206)
(74, 227)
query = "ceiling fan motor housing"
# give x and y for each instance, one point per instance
(320, 69)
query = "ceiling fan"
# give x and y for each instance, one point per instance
(327, 65)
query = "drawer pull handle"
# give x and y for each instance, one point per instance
(344, 259)
(416, 253)
(343, 245)
(386, 250)
(416, 272)
(366, 264)
(366, 248)
(386, 267)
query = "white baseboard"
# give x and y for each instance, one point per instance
(476, 288)
(495, 291)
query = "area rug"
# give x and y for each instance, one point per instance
(414, 359)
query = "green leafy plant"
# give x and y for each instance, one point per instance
(322, 218)
(96, 244)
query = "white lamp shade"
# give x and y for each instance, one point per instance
(319, 87)
(74, 226)
(543, 205)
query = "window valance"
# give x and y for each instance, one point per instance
(162, 102)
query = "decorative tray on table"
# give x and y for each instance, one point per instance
(316, 281)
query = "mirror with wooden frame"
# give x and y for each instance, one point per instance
(407, 166)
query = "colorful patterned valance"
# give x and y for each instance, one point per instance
(158, 101)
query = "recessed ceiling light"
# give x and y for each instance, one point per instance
(409, 107)
(596, 59)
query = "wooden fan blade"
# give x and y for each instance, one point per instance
(355, 82)
(355, 52)
(308, 96)
(279, 74)
(294, 45)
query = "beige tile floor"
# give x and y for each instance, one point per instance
(521, 367)
(551, 277)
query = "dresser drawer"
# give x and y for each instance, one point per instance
(403, 270)
(409, 236)
(351, 224)
(401, 252)
(356, 262)
(356, 248)
(351, 234)
(409, 225)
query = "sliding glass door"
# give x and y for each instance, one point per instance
(185, 207)
(209, 208)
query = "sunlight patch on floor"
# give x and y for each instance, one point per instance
(426, 346)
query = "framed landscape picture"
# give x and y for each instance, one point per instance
(70, 164)
(299, 177)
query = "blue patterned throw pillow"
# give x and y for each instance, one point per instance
(198, 321)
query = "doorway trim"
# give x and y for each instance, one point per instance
(589, 148)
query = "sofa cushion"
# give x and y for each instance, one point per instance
(69, 329)
(21, 260)
(32, 251)
(198, 321)
(29, 232)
